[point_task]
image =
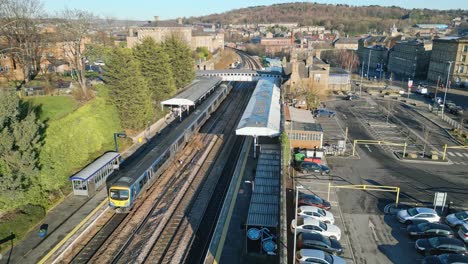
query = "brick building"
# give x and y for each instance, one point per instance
(161, 30)
(409, 59)
(277, 45)
(447, 49)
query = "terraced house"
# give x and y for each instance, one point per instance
(445, 50)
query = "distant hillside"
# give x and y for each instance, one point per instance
(349, 19)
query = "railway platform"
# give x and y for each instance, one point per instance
(60, 221)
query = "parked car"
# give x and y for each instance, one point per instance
(313, 200)
(324, 112)
(463, 232)
(407, 216)
(440, 245)
(457, 218)
(351, 97)
(305, 256)
(446, 259)
(456, 110)
(307, 166)
(311, 225)
(429, 230)
(318, 241)
(439, 101)
(317, 213)
(430, 95)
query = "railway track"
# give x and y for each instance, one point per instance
(101, 247)
(165, 224)
(174, 247)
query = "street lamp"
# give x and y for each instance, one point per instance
(120, 135)
(295, 217)
(446, 85)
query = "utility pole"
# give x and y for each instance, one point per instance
(435, 94)
(368, 63)
(362, 73)
(447, 85)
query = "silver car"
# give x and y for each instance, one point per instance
(418, 213)
(457, 219)
(305, 256)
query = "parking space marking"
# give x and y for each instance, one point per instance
(465, 154)
(451, 154)
(459, 154)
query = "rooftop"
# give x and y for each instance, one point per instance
(306, 126)
(194, 92)
(262, 115)
(92, 168)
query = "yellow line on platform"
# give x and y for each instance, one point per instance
(219, 250)
(60, 244)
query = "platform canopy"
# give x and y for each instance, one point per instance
(90, 170)
(195, 92)
(263, 113)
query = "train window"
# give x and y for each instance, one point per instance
(141, 183)
(180, 142)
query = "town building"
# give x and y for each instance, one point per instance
(349, 43)
(339, 80)
(277, 45)
(302, 130)
(445, 50)
(161, 30)
(409, 59)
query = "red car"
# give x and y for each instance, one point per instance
(313, 200)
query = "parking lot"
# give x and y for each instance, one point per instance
(318, 185)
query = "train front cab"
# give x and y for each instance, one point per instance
(120, 199)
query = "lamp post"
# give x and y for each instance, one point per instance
(295, 217)
(120, 135)
(446, 86)
(362, 73)
(368, 63)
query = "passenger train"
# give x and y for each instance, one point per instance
(130, 181)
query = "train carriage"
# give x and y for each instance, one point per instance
(130, 181)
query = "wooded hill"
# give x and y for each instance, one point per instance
(346, 18)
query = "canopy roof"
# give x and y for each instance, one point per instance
(263, 113)
(90, 170)
(196, 91)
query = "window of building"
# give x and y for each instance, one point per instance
(463, 58)
(465, 48)
(461, 69)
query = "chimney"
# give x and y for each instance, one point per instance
(156, 18)
(179, 21)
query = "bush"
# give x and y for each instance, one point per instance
(20, 222)
(75, 140)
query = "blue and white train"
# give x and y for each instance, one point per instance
(129, 182)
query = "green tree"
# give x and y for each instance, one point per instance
(183, 66)
(128, 89)
(156, 68)
(19, 142)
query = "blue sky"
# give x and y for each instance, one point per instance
(167, 9)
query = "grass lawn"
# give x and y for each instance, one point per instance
(54, 107)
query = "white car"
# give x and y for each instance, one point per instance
(312, 225)
(457, 218)
(317, 213)
(463, 232)
(305, 256)
(418, 213)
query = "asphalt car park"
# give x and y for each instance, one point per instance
(318, 184)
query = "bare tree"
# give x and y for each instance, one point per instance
(390, 105)
(426, 133)
(75, 26)
(20, 20)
